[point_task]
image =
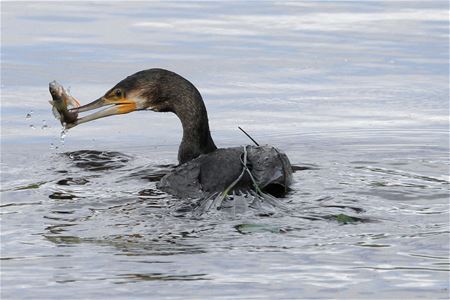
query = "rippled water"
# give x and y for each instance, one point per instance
(356, 93)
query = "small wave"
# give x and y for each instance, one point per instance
(92, 160)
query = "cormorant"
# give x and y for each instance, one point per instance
(203, 170)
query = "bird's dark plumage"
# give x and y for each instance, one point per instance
(203, 168)
(216, 171)
(166, 91)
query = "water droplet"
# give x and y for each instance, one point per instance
(63, 135)
(52, 146)
(32, 126)
(44, 125)
(71, 156)
(28, 116)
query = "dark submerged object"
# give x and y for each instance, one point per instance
(204, 170)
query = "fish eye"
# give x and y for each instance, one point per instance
(118, 93)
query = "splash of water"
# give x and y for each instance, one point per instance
(29, 115)
(63, 135)
(53, 146)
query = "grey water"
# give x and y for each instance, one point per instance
(355, 92)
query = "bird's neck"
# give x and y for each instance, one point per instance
(197, 138)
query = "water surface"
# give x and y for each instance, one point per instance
(356, 94)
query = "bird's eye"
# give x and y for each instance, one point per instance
(118, 93)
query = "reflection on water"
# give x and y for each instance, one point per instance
(91, 160)
(355, 93)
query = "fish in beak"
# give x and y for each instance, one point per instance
(61, 103)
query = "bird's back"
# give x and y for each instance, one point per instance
(216, 171)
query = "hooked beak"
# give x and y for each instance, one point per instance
(122, 106)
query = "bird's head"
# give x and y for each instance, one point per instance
(140, 91)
